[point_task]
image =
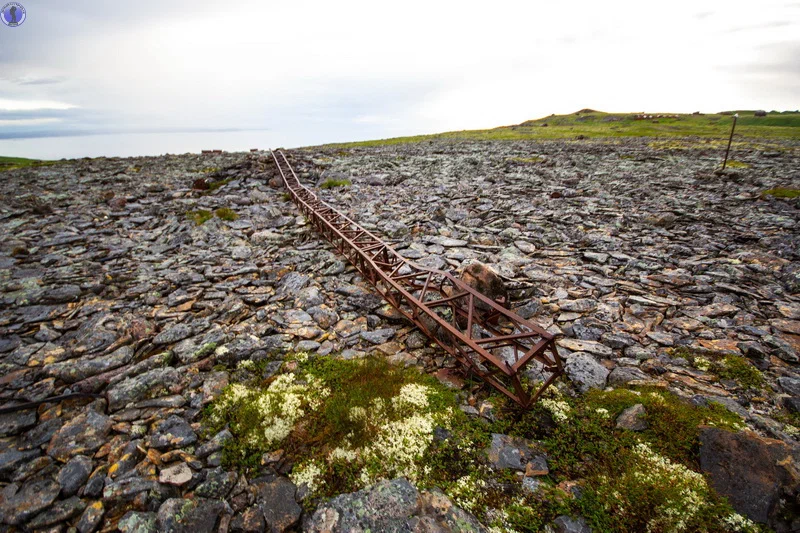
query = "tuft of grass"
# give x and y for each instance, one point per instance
(226, 213)
(13, 163)
(733, 163)
(214, 185)
(782, 192)
(331, 183)
(200, 216)
(534, 159)
(740, 370)
(733, 367)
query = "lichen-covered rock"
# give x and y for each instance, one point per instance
(15, 422)
(173, 432)
(28, 501)
(138, 387)
(58, 512)
(633, 418)
(276, 499)
(91, 518)
(74, 474)
(137, 522)
(75, 370)
(391, 506)
(180, 515)
(82, 435)
(585, 371)
(758, 476)
(517, 453)
(218, 484)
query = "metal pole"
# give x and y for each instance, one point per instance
(733, 127)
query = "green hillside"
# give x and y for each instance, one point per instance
(588, 123)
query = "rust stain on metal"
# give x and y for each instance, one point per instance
(489, 340)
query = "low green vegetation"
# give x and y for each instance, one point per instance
(200, 216)
(226, 213)
(782, 192)
(733, 163)
(710, 130)
(534, 159)
(12, 163)
(331, 183)
(740, 370)
(214, 185)
(343, 424)
(725, 366)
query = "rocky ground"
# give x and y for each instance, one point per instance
(645, 262)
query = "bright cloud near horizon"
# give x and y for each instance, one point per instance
(352, 70)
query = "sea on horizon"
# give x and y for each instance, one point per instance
(148, 144)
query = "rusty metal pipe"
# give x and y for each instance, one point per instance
(398, 280)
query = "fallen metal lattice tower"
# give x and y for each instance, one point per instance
(489, 340)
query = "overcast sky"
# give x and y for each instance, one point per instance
(349, 70)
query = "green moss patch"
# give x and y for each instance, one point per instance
(782, 192)
(200, 216)
(331, 183)
(732, 163)
(344, 424)
(225, 213)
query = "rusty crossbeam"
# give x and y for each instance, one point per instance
(512, 354)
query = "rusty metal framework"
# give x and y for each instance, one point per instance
(512, 354)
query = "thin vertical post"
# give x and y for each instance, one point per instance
(733, 127)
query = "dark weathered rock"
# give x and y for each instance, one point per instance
(173, 334)
(758, 476)
(127, 488)
(251, 520)
(633, 418)
(58, 512)
(74, 474)
(11, 460)
(96, 482)
(391, 506)
(215, 444)
(625, 374)
(486, 281)
(277, 502)
(198, 515)
(174, 432)
(585, 372)
(517, 453)
(217, 485)
(137, 522)
(91, 518)
(83, 434)
(568, 524)
(379, 336)
(32, 498)
(75, 370)
(139, 387)
(15, 422)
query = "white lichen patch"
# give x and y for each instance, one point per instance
(558, 408)
(378, 437)
(687, 495)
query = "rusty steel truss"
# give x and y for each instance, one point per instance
(512, 354)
